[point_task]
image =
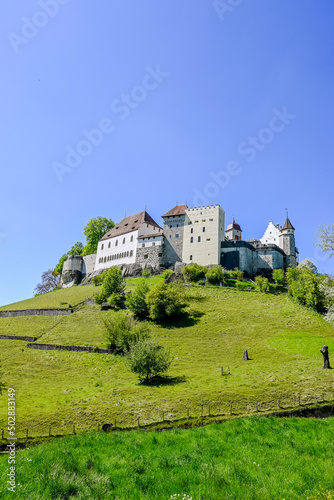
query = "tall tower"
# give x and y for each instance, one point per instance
(173, 232)
(287, 243)
(233, 231)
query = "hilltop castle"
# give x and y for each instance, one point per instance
(188, 235)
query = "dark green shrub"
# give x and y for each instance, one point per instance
(278, 276)
(263, 283)
(215, 275)
(146, 273)
(112, 284)
(122, 331)
(148, 359)
(167, 273)
(136, 301)
(194, 272)
(304, 287)
(165, 302)
(98, 280)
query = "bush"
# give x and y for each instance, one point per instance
(167, 273)
(123, 331)
(146, 273)
(165, 302)
(236, 274)
(98, 280)
(112, 284)
(304, 287)
(194, 272)
(148, 359)
(215, 275)
(263, 283)
(136, 301)
(278, 276)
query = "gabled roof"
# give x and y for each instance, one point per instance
(129, 224)
(178, 210)
(288, 224)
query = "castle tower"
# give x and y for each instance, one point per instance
(173, 230)
(233, 231)
(287, 243)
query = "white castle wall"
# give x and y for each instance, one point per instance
(203, 233)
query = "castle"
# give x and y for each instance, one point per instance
(188, 235)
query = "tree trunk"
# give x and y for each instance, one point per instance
(324, 352)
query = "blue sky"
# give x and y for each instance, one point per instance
(165, 102)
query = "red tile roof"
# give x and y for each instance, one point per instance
(178, 210)
(129, 224)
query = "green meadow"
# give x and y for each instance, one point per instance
(252, 459)
(58, 389)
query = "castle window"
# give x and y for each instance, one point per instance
(146, 256)
(236, 237)
(211, 220)
(208, 239)
(105, 259)
(160, 254)
(191, 257)
(131, 253)
(123, 241)
(109, 244)
(203, 220)
(102, 246)
(176, 236)
(177, 225)
(116, 243)
(196, 220)
(143, 245)
(131, 239)
(153, 244)
(170, 236)
(170, 226)
(146, 225)
(191, 240)
(192, 230)
(203, 229)
(127, 253)
(199, 239)
(153, 228)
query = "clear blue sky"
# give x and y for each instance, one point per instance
(179, 91)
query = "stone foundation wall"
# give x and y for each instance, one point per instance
(76, 348)
(35, 312)
(150, 256)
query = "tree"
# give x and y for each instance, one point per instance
(59, 267)
(194, 272)
(76, 249)
(165, 302)
(146, 273)
(263, 283)
(326, 235)
(148, 359)
(278, 276)
(307, 264)
(49, 281)
(112, 286)
(136, 301)
(123, 331)
(304, 287)
(94, 230)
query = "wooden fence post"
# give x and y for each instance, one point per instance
(222, 370)
(209, 410)
(187, 412)
(2, 433)
(298, 400)
(257, 406)
(73, 428)
(138, 422)
(231, 409)
(163, 416)
(115, 423)
(278, 404)
(49, 430)
(27, 434)
(323, 397)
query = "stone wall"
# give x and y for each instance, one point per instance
(151, 256)
(88, 265)
(18, 337)
(173, 242)
(76, 348)
(35, 312)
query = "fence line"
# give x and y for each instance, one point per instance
(204, 411)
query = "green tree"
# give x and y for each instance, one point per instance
(326, 235)
(146, 273)
(165, 302)
(307, 264)
(167, 273)
(148, 359)
(112, 285)
(76, 249)
(194, 272)
(304, 287)
(278, 276)
(215, 275)
(59, 267)
(136, 301)
(94, 230)
(122, 331)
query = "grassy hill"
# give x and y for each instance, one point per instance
(244, 459)
(64, 388)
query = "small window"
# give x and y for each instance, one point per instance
(102, 246)
(203, 229)
(153, 228)
(176, 236)
(203, 220)
(177, 225)
(192, 230)
(208, 239)
(116, 243)
(170, 236)
(127, 253)
(191, 240)
(199, 239)
(146, 225)
(131, 239)
(170, 226)
(153, 244)
(131, 253)
(123, 241)
(191, 257)
(109, 244)
(196, 220)
(211, 220)
(146, 256)
(160, 254)
(143, 245)
(105, 259)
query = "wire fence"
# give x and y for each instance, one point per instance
(189, 413)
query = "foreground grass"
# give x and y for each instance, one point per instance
(59, 389)
(253, 458)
